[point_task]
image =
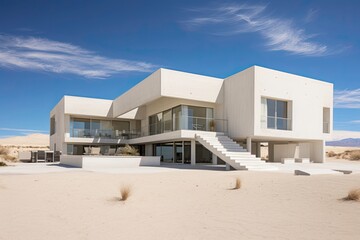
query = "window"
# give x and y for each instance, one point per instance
(52, 125)
(275, 114)
(182, 117)
(326, 120)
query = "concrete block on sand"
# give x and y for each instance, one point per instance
(309, 172)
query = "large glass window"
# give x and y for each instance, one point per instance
(52, 125)
(174, 152)
(182, 117)
(165, 151)
(277, 116)
(167, 121)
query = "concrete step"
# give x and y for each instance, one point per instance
(236, 154)
(225, 145)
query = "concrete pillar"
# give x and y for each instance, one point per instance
(317, 152)
(271, 152)
(214, 159)
(258, 149)
(193, 153)
(182, 152)
(248, 144)
(227, 168)
(148, 150)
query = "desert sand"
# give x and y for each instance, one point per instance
(180, 204)
(175, 204)
(340, 149)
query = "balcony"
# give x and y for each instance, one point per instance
(188, 123)
(277, 123)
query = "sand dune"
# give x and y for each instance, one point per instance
(36, 139)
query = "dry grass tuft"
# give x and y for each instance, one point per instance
(355, 155)
(237, 183)
(4, 150)
(129, 150)
(125, 192)
(2, 164)
(353, 195)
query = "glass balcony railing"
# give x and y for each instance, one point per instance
(188, 123)
(276, 123)
(182, 123)
(107, 134)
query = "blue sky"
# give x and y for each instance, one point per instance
(101, 49)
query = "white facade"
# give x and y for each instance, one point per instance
(254, 106)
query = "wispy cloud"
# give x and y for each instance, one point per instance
(347, 98)
(311, 15)
(280, 34)
(42, 54)
(23, 130)
(355, 121)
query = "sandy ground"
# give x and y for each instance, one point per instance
(177, 204)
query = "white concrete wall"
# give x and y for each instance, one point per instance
(239, 103)
(72, 160)
(88, 106)
(96, 162)
(26, 155)
(244, 90)
(317, 151)
(58, 137)
(144, 92)
(169, 83)
(308, 97)
(190, 86)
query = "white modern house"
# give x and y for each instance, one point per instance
(190, 118)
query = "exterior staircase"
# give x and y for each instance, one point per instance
(231, 152)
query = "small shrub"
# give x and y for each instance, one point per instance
(9, 157)
(2, 164)
(331, 154)
(237, 183)
(353, 195)
(355, 155)
(4, 150)
(125, 192)
(129, 150)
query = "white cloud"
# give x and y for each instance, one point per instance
(347, 98)
(339, 135)
(42, 54)
(355, 121)
(280, 34)
(23, 130)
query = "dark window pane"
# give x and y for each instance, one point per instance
(271, 122)
(270, 107)
(281, 109)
